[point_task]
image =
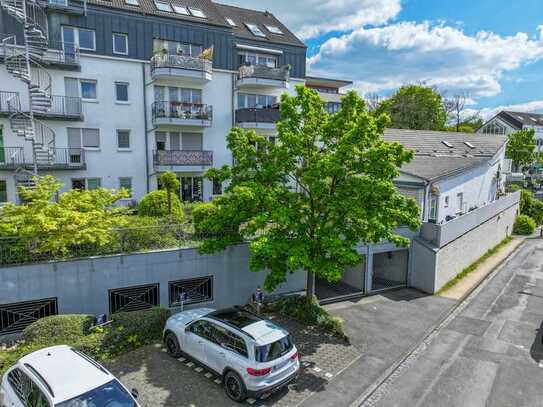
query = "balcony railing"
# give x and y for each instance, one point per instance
(183, 157)
(181, 62)
(264, 72)
(62, 53)
(256, 115)
(63, 107)
(5, 96)
(182, 111)
(62, 158)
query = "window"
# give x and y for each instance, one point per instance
(467, 143)
(90, 138)
(250, 58)
(163, 6)
(136, 298)
(446, 202)
(176, 94)
(459, 202)
(257, 32)
(126, 183)
(494, 128)
(79, 36)
(447, 144)
(176, 48)
(433, 208)
(88, 89)
(231, 22)
(160, 137)
(93, 183)
(116, 396)
(26, 390)
(121, 91)
(196, 12)
(195, 291)
(132, 2)
(217, 187)
(332, 107)
(274, 29)
(3, 191)
(229, 340)
(123, 139)
(202, 329)
(274, 350)
(78, 183)
(86, 183)
(120, 44)
(180, 10)
(248, 100)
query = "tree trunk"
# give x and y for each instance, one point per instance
(310, 286)
(169, 205)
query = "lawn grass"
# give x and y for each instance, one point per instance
(472, 267)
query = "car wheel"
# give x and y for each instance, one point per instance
(172, 345)
(234, 387)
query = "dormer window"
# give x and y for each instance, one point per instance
(181, 10)
(255, 29)
(196, 12)
(274, 29)
(163, 6)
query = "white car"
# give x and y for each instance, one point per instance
(253, 356)
(60, 376)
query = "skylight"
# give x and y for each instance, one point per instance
(533, 119)
(274, 29)
(467, 143)
(133, 2)
(180, 10)
(447, 144)
(231, 22)
(255, 30)
(196, 12)
(163, 6)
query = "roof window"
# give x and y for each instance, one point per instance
(132, 2)
(274, 29)
(196, 12)
(181, 10)
(467, 143)
(163, 6)
(257, 32)
(231, 22)
(447, 144)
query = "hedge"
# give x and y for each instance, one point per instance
(524, 225)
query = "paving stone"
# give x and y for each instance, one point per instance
(470, 326)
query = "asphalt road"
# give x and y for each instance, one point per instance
(489, 353)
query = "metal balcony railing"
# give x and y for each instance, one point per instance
(63, 107)
(62, 53)
(181, 62)
(5, 96)
(183, 157)
(258, 115)
(264, 72)
(182, 110)
(60, 158)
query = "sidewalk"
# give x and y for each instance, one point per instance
(473, 279)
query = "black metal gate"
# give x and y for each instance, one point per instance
(17, 316)
(137, 298)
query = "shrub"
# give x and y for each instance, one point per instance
(58, 329)
(200, 213)
(531, 206)
(155, 204)
(524, 225)
(311, 313)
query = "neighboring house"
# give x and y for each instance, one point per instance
(139, 88)
(330, 91)
(506, 122)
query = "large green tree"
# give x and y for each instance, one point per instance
(415, 107)
(77, 218)
(306, 201)
(521, 147)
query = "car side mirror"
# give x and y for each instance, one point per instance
(135, 393)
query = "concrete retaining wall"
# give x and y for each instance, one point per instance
(82, 286)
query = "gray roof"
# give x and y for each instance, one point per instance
(261, 18)
(434, 159)
(520, 119)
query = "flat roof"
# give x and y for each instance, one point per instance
(327, 82)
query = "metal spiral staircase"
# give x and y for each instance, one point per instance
(25, 63)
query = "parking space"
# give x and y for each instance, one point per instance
(163, 381)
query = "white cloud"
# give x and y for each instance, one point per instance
(384, 58)
(489, 112)
(311, 18)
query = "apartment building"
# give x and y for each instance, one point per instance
(122, 90)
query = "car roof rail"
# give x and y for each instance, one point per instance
(90, 360)
(40, 377)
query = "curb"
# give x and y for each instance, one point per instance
(388, 374)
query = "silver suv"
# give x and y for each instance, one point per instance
(253, 356)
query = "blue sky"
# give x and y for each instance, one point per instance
(490, 49)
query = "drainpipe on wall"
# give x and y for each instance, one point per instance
(145, 124)
(427, 189)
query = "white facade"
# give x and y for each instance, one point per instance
(108, 162)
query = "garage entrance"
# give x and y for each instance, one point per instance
(350, 285)
(390, 270)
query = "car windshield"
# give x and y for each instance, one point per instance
(272, 351)
(111, 394)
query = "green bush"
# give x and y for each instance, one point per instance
(155, 204)
(531, 206)
(311, 313)
(200, 213)
(524, 225)
(58, 329)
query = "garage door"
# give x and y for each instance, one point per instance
(390, 270)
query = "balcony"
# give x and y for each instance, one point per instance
(444, 233)
(12, 158)
(182, 114)
(62, 108)
(257, 118)
(63, 55)
(195, 70)
(261, 76)
(75, 7)
(5, 97)
(183, 158)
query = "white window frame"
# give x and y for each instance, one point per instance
(81, 89)
(163, 3)
(125, 43)
(119, 148)
(181, 10)
(230, 22)
(83, 147)
(274, 29)
(76, 36)
(434, 204)
(460, 202)
(255, 30)
(197, 12)
(122, 102)
(257, 56)
(135, 3)
(86, 179)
